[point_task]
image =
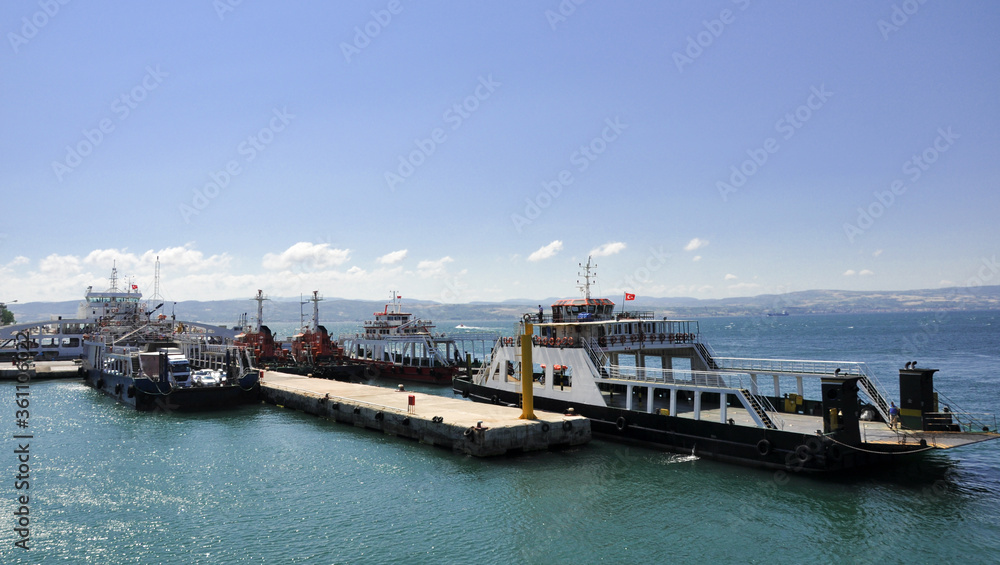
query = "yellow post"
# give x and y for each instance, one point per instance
(527, 375)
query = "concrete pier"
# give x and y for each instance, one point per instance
(482, 430)
(44, 370)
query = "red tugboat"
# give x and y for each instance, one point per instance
(259, 341)
(312, 352)
(398, 345)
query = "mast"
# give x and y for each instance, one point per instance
(114, 277)
(156, 282)
(260, 298)
(315, 300)
(585, 287)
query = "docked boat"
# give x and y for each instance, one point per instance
(161, 363)
(396, 344)
(311, 351)
(656, 381)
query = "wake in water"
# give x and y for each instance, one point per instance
(677, 458)
(465, 327)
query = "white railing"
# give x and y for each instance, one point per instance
(708, 379)
(805, 368)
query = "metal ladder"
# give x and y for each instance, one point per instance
(754, 407)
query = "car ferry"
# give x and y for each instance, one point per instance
(147, 363)
(656, 381)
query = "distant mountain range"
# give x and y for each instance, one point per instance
(793, 303)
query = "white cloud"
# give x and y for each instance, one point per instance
(305, 254)
(866, 273)
(696, 258)
(731, 277)
(546, 251)
(695, 243)
(60, 265)
(608, 249)
(392, 258)
(744, 286)
(877, 253)
(850, 273)
(429, 268)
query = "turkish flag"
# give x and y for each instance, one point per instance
(629, 296)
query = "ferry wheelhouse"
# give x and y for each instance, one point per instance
(396, 344)
(657, 381)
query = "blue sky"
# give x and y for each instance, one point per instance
(464, 151)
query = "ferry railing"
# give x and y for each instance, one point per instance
(597, 354)
(968, 421)
(868, 382)
(709, 379)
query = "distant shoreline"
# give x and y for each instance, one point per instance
(813, 302)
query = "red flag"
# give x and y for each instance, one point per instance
(135, 287)
(629, 296)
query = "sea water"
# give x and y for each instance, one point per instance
(262, 484)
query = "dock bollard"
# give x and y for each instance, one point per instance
(411, 404)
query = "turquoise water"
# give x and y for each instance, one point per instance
(263, 484)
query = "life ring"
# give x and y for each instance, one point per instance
(569, 342)
(763, 447)
(469, 432)
(662, 337)
(545, 426)
(567, 425)
(602, 341)
(551, 341)
(371, 371)
(621, 423)
(802, 453)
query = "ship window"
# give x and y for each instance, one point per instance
(538, 373)
(513, 372)
(562, 377)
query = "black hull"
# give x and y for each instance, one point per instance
(146, 395)
(757, 447)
